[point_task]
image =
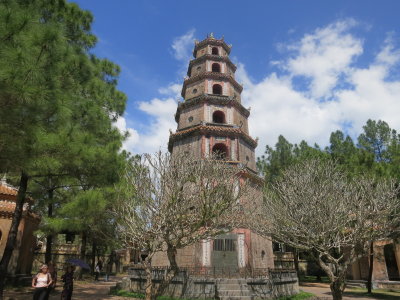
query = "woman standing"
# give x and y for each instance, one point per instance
(41, 282)
(68, 279)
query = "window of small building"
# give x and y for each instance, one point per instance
(214, 51)
(218, 117)
(190, 119)
(69, 238)
(194, 91)
(216, 67)
(224, 245)
(220, 151)
(217, 89)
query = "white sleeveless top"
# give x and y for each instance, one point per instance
(42, 281)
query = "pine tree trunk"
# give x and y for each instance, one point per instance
(12, 235)
(371, 267)
(49, 238)
(82, 254)
(83, 246)
(93, 256)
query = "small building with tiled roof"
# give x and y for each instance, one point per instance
(22, 258)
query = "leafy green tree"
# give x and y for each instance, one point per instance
(57, 101)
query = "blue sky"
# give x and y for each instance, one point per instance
(308, 67)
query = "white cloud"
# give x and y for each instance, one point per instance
(183, 45)
(133, 136)
(173, 90)
(326, 57)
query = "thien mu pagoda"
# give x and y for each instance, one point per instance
(211, 119)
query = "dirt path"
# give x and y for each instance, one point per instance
(82, 291)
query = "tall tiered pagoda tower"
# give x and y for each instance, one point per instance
(211, 119)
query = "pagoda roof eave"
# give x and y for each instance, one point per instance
(217, 99)
(203, 129)
(211, 57)
(211, 75)
(212, 41)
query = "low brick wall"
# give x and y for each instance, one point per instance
(279, 283)
(386, 284)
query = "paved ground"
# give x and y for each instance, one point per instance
(99, 291)
(322, 291)
(82, 291)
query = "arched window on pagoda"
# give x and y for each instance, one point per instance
(217, 89)
(216, 67)
(214, 51)
(218, 117)
(220, 151)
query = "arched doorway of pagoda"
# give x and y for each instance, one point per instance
(217, 89)
(215, 67)
(224, 255)
(220, 151)
(218, 117)
(391, 262)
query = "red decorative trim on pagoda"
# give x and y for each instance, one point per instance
(204, 129)
(211, 75)
(212, 41)
(211, 57)
(211, 99)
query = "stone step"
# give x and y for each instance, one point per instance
(236, 298)
(232, 280)
(356, 283)
(235, 293)
(232, 285)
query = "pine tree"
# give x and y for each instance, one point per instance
(57, 101)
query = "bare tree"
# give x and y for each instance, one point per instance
(316, 207)
(170, 202)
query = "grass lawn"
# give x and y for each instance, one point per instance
(300, 296)
(303, 278)
(376, 293)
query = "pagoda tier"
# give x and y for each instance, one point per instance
(211, 119)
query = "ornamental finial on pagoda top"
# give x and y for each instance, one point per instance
(211, 36)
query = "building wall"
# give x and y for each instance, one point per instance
(359, 270)
(247, 155)
(5, 225)
(22, 256)
(198, 68)
(195, 89)
(190, 144)
(240, 120)
(195, 112)
(186, 257)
